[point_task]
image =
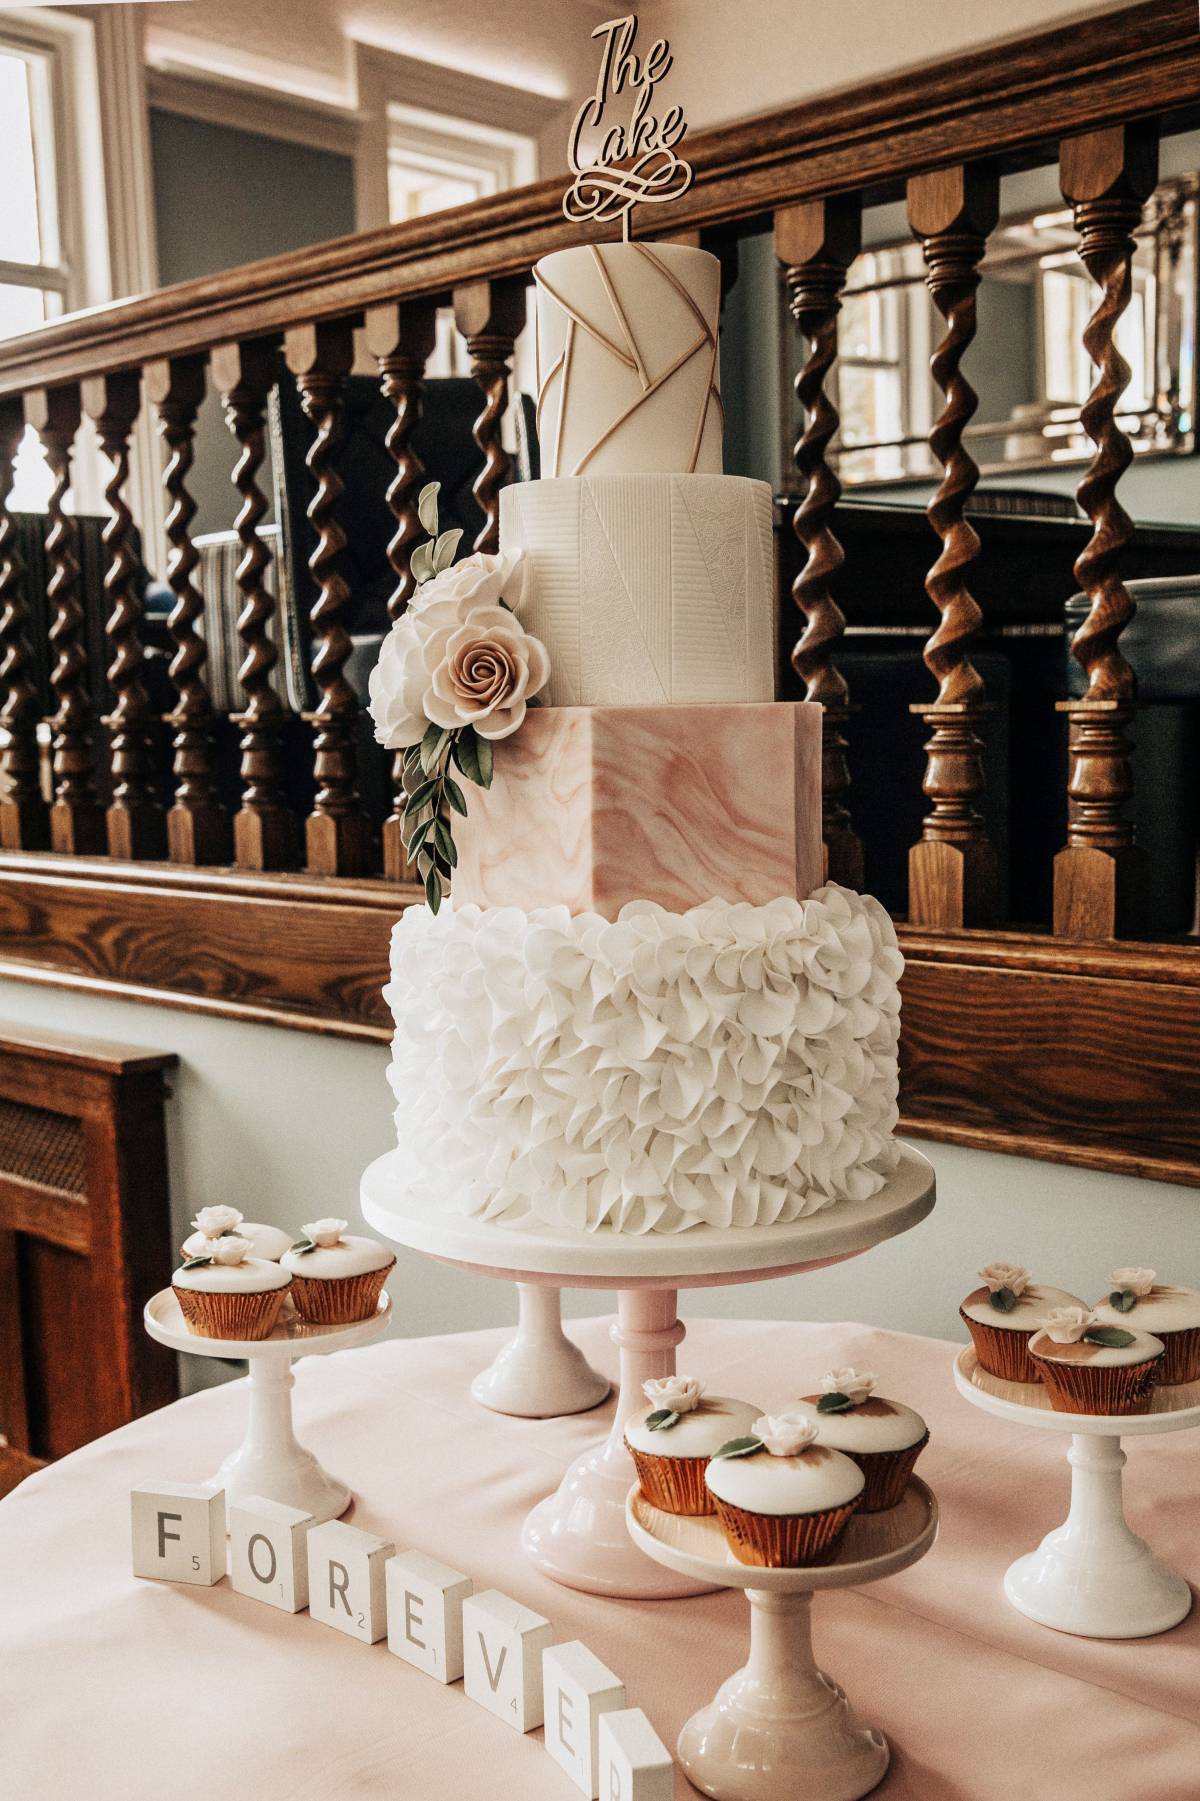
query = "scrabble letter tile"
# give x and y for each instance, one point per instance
(346, 1580)
(577, 1691)
(635, 1765)
(179, 1532)
(269, 1552)
(425, 1613)
(502, 1657)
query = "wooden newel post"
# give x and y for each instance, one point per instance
(1100, 875)
(490, 315)
(264, 830)
(135, 819)
(337, 831)
(24, 820)
(400, 336)
(816, 242)
(198, 830)
(952, 879)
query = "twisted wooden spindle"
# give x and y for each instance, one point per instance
(817, 242)
(1100, 875)
(952, 878)
(401, 337)
(198, 829)
(490, 314)
(76, 816)
(24, 820)
(264, 829)
(134, 819)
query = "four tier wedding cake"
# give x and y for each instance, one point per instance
(641, 1011)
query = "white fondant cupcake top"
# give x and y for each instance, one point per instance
(787, 1473)
(1028, 1311)
(702, 1422)
(1069, 1340)
(232, 1270)
(332, 1252)
(849, 1416)
(265, 1241)
(1155, 1307)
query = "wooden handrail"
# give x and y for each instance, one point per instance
(1009, 102)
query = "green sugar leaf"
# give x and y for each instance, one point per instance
(303, 1246)
(466, 755)
(484, 750)
(421, 563)
(1115, 1337)
(197, 1262)
(427, 507)
(444, 550)
(433, 890)
(432, 745)
(738, 1447)
(445, 843)
(1123, 1299)
(835, 1403)
(419, 797)
(1003, 1300)
(454, 795)
(412, 758)
(660, 1419)
(419, 836)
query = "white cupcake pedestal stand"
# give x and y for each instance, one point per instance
(540, 1374)
(780, 1728)
(579, 1535)
(1092, 1575)
(270, 1461)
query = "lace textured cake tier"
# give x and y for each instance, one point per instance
(648, 588)
(734, 1065)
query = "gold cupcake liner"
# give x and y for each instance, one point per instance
(783, 1542)
(1002, 1351)
(1181, 1359)
(1087, 1388)
(676, 1484)
(886, 1474)
(339, 1300)
(249, 1315)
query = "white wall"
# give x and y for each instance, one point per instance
(282, 1123)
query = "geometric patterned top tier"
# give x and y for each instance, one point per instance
(628, 376)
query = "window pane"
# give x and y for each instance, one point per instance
(21, 309)
(20, 238)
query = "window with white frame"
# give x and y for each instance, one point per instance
(33, 274)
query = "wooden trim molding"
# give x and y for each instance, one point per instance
(1086, 1054)
(1011, 102)
(245, 106)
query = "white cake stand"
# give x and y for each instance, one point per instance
(579, 1534)
(780, 1728)
(270, 1461)
(1091, 1576)
(540, 1374)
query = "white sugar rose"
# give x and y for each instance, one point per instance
(856, 1385)
(229, 1250)
(1067, 1325)
(198, 1245)
(1137, 1281)
(1005, 1275)
(210, 1222)
(326, 1232)
(678, 1393)
(782, 1436)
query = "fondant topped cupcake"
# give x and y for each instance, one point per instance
(328, 1252)
(220, 1222)
(779, 1468)
(683, 1421)
(1012, 1301)
(850, 1416)
(226, 1266)
(1136, 1298)
(1076, 1335)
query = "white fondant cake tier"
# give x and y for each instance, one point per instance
(733, 1065)
(647, 588)
(628, 376)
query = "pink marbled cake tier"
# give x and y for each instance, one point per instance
(592, 807)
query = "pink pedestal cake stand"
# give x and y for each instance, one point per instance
(578, 1535)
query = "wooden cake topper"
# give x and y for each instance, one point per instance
(636, 163)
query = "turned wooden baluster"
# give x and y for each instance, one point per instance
(490, 314)
(817, 242)
(198, 829)
(264, 830)
(337, 831)
(24, 820)
(401, 337)
(1100, 876)
(135, 820)
(952, 879)
(76, 816)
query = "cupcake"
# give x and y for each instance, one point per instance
(1172, 1314)
(1090, 1367)
(224, 1292)
(1001, 1315)
(783, 1499)
(884, 1438)
(336, 1277)
(220, 1222)
(672, 1440)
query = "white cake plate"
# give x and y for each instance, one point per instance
(270, 1461)
(540, 1374)
(780, 1728)
(579, 1534)
(1092, 1575)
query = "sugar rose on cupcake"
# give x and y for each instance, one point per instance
(883, 1438)
(1001, 1314)
(673, 1437)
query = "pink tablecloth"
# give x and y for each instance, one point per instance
(111, 1687)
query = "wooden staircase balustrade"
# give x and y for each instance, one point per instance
(490, 316)
(24, 822)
